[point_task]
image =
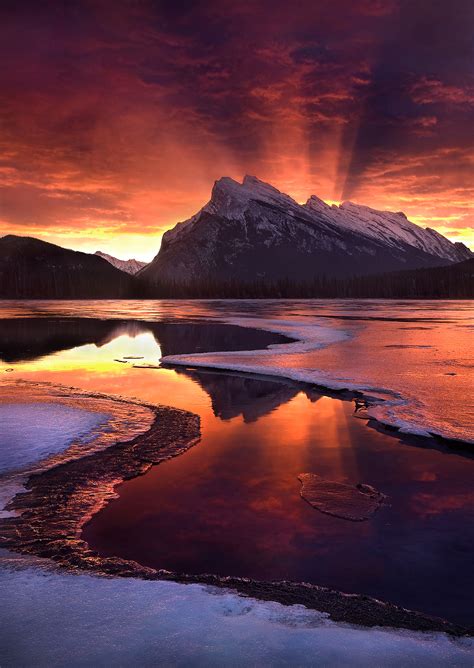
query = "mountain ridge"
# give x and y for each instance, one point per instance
(21, 277)
(251, 230)
(130, 266)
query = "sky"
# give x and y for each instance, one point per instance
(117, 117)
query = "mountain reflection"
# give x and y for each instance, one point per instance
(231, 395)
(26, 339)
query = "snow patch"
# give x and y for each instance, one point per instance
(131, 266)
(32, 432)
(55, 619)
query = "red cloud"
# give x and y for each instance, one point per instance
(433, 91)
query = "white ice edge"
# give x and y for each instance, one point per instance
(384, 402)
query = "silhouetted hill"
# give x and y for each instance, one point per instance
(34, 269)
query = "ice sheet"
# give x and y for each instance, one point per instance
(32, 432)
(131, 622)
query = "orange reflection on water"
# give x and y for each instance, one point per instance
(95, 368)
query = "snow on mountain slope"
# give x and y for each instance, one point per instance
(129, 266)
(230, 199)
(389, 227)
(252, 231)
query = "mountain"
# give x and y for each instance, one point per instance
(131, 266)
(393, 229)
(251, 231)
(34, 269)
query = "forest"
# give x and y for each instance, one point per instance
(455, 281)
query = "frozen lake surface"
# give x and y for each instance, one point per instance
(417, 354)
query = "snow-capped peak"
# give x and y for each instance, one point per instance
(229, 195)
(256, 187)
(386, 227)
(231, 200)
(131, 266)
(314, 203)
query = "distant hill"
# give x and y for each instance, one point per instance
(34, 269)
(252, 232)
(131, 266)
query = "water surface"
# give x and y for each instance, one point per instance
(419, 350)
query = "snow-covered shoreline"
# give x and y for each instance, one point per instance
(129, 621)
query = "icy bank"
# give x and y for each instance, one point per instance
(43, 425)
(127, 621)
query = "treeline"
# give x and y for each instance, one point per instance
(448, 282)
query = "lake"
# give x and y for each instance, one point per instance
(310, 386)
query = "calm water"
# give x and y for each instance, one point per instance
(231, 504)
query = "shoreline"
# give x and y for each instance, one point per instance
(61, 500)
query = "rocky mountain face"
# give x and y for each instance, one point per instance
(131, 266)
(34, 269)
(251, 231)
